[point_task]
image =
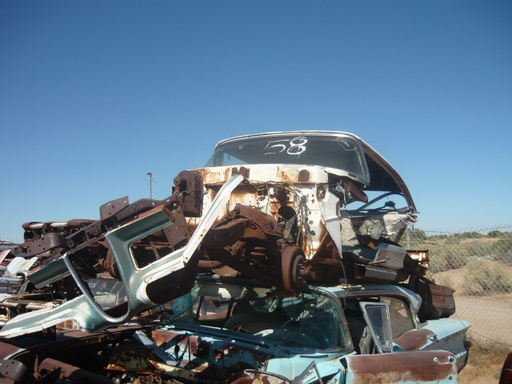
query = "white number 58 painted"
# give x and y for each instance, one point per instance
(294, 147)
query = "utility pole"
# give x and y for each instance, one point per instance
(150, 185)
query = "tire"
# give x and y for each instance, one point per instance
(292, 265)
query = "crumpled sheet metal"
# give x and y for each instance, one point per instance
(402, 367)
(143, 285)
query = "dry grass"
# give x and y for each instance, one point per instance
(490, 336)
(483, 354)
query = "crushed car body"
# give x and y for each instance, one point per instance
(279, 261)
(233, 331)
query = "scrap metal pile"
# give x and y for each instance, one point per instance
(269, 210)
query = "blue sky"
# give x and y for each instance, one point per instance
(96, 94)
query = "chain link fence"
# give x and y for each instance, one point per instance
(477, 264)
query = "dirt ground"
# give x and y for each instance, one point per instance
(491, 327)
(490, 317)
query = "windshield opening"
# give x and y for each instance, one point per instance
(339, 152)
(309, 320)
(380, 202)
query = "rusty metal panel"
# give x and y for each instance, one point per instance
(401, 367)
(188, 187)
(156, 283)
(415, 339)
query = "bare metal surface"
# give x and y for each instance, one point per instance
(433, 366)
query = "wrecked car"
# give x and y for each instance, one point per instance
(297, 231)
(233, 330)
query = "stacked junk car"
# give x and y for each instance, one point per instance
(279, 261)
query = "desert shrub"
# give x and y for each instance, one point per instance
(444, 257)
(477, 248)
(502, 249)
(457, 258)
(438, 263)
(507, 257)
(417, 236)
(484, 278)
(443, 280)
(468, 235)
